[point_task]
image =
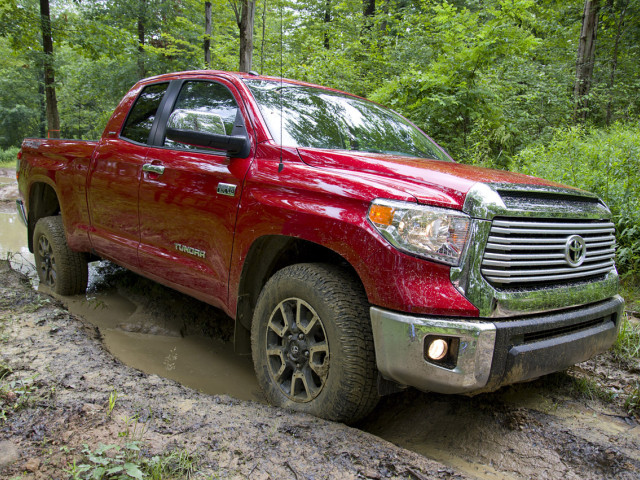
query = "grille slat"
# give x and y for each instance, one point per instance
(533, 252)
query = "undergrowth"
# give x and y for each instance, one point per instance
(627, 344)
(128, 462)
(603, 161)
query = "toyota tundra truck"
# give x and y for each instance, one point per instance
(355, 256)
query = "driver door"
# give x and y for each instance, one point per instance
(189, 195)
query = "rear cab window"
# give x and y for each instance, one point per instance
(143, 113)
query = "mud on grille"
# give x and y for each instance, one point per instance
(523, 253)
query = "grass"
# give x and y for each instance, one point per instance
(632, 403)
(128, 462)
(8, 157)
(627, 345)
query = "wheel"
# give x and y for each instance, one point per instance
(60, 268)
(312, 344)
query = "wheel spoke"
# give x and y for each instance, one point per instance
(277, 352)
(310, 384)
(308, 328)
(319, 359)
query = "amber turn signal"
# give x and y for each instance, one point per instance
(381, 214)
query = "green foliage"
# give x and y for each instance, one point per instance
(627, 344)
(8, 157)
(15, 393)
(601, 160)
(632, 402)
(128, 462)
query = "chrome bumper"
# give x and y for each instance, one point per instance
(399, 345)
(22, 213)
(492, 353)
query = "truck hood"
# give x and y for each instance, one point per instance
(429, 181)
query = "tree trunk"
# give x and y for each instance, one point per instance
(327, 21)
(368, 10)
(264, 26)
(43, 105)
(245, 24)
(586, 58)
(207, 34)
(53, 118)
(614, 61)
(142, 72)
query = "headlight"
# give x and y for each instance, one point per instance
(431, 232)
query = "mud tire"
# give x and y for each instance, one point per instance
(348, 391)
(60, 268)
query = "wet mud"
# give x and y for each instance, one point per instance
(148, 337)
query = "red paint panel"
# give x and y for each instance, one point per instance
(330, 208)
(113, 199)
(182, 207)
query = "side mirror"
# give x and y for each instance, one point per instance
(205, 129)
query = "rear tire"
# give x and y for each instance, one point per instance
(64, 271)
(312, 343)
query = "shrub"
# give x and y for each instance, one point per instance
(8, 157)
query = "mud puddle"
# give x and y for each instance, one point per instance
(206, 364)
(154, 343)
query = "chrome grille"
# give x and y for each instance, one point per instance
(526, 252)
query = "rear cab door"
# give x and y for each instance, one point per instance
(115, 173)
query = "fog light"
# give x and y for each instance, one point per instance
(437, 349)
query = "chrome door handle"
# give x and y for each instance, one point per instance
(149, 167)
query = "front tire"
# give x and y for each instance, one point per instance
(312, 343)
(64, 271)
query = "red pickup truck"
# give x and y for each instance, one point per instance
(354, 255)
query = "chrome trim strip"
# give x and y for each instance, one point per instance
(399, 346)
(22, 213)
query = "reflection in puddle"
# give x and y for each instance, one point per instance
(154, 344)
(147, 338)
(131, 334)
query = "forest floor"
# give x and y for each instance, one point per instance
(71, 408)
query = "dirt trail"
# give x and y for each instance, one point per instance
(558, 427)
(70, 376)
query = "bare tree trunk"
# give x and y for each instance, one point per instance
(368, 11)
(327, 21)
(245, 14)
(614, 61)
(586, 58)
(142, 72)
(53, 117)
(264, 24)
(43, 105)
(207, 34)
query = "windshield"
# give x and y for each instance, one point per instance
(323, 119)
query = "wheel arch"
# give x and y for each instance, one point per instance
(43, 202)
(266, 256)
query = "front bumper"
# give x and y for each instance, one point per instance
(492, 353)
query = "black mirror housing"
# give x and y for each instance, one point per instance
(235, 145)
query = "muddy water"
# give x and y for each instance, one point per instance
(152, 343)
(131, 334)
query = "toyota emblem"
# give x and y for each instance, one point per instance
(575, 250)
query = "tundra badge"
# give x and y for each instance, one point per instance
(190, 250)
(227, 189)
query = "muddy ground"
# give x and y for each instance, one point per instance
(59, 374)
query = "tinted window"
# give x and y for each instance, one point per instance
(143, 113)
(207, 97)
(302, 116)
